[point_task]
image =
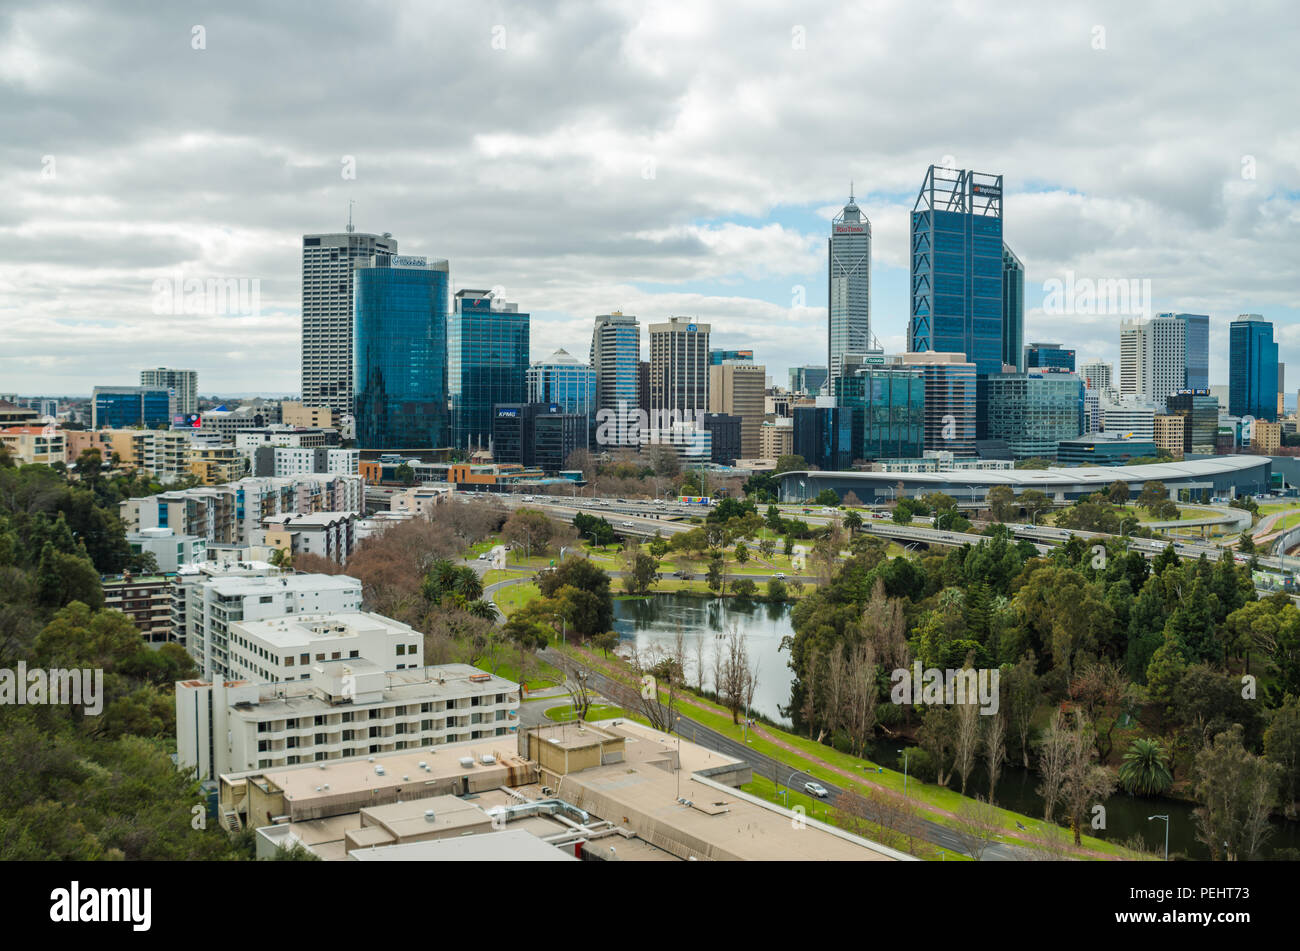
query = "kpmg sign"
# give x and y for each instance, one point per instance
(408, 260)
(508, 413)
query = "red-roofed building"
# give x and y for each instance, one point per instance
(33, 445)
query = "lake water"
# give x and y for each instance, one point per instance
(653, 622)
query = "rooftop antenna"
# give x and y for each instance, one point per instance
(350, 204)
(850, 191)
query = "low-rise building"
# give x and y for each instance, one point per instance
(169, 549)
(34, 445)
(344, 710)
(146, 600)
(329, 535)
(1169, 433)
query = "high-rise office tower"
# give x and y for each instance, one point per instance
(563, 379)
(487, 363)
(116, 407)
(679, 367)
(739, 388)
(1035, 410)
(848, 304)
(888, 407)
(327, 312)
(1281, 390)
(1041, 355)
(1197, 358)
(183, 384)
(957, 266)
(1013, 310)
(400, 354)
(810, 381)
(1252, 367)
(1152, 357)
(950, 395)
(616, 358)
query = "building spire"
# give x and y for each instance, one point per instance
(850, 191)
(350, 204)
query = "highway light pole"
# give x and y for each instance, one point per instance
(904, 752)
(1166, 818)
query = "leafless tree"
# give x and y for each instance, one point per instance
(884, 623)
(977, 827)
(1053, 759)
(1084, 782)
(837, 689)
(737, 675)
(995, 749)
(698, 653)
(861, 696)
(577, 684)
(882, 817)
(968, 739)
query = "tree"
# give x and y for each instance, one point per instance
(1282, 746)
(968, 736)
(607, 642)
(1083, 782)
(715, 578)
(853, 522)
(577, 684)
(738, 677)
(586, 587)
(528, 527)
(1118, 493)
(744, 588)
(995, 749)
(827, 497)
(1023, 691)
(789, 463)
(641, 572)
(404, 474)
(1145, 769)
(1153, 496)
(1053, 760)
(1236, 791)
(1035, 503)
(1001, 500)
(978, 825)
(741, 553)
(777, 590)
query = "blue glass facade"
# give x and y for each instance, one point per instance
(888, 407)
(400, 357)
(567, 382)
(1041, 355)
(1252, 368)
(1035, 410)
(1013, 310)
(487, 363)
(957, 267)
(1197, 376)
(121, 407)
(809, 380)
(718, 357)
(823, 435)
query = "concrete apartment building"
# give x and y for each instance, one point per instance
(739, 388)
(208, 599)
(146, 600)
(182, 385)
(169, 549)
(329, 535)
(34, 445)
(344, 709)
(230, 513)
(285, 461)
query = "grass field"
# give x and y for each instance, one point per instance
(597, 711)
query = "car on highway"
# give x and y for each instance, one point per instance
(483, 557)
(816, 789)
(628, 525)
(780, 575)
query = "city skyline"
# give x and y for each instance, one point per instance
(730, 212)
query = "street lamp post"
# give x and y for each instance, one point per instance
(904, 752)
(1166, 818)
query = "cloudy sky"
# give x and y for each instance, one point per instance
(662, 159)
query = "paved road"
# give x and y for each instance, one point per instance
(782, 774)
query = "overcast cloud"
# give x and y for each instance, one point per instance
(659, 159)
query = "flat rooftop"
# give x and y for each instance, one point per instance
(511, 845)
(302, 630)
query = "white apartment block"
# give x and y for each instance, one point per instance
(230, 513)
(280, 649)
(1152, 358)
(776, 437)
(1129, 417)
(344, 709)
(169, 549)
(330, 535)
(285, 461)
(420, 499)
(207, 599)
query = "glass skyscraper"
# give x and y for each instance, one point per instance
(949, 401)
(116, 407)
(848, 302)
(719, 357)
(1197, 342)
(888, 406)
(957, 265)
(487, 363)
(561, 378)
(616, 358)
(400, 354)
(823, 435)
(1035, 410)
(1200, 412)
(1252, 368)
(1040, 355)
(1013, 310)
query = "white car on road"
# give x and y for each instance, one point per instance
(816, 789)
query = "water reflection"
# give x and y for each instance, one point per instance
(652, 623)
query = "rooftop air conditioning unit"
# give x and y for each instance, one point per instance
(467, 761)
(488, 759)
(379, 770)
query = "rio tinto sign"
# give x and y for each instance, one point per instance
(849, 229)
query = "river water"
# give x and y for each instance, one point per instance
(652, 623)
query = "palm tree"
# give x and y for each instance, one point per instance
(1145, 768)
(484, 609)
(853, 521)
